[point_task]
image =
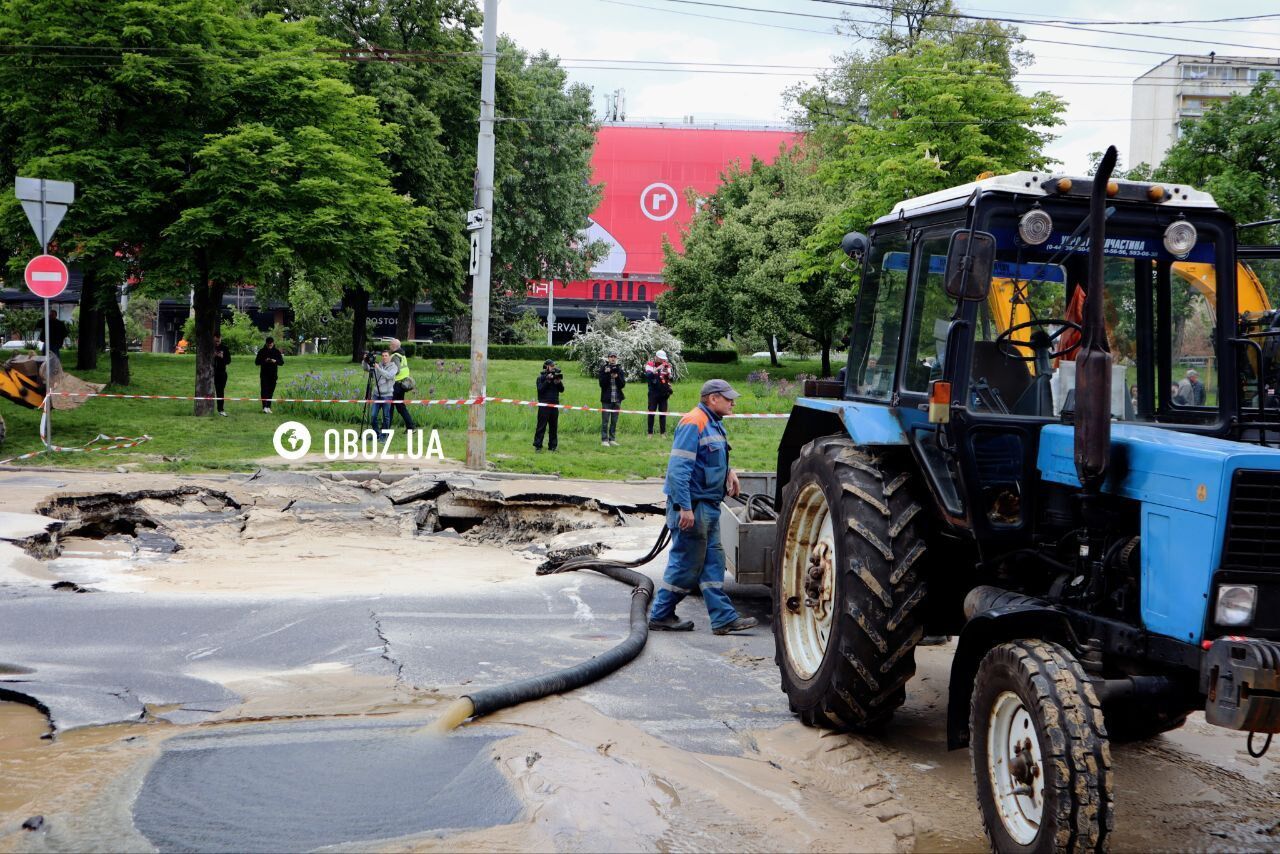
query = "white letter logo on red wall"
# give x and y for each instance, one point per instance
(659, 201)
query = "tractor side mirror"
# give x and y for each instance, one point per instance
(969, 261)
(855, 245)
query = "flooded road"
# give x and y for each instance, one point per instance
(258, 671)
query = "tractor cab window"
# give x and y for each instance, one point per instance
(877, 323)
(1258, 285)
(931, 313)
(1160, 325)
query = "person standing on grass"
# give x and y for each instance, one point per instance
(612, 379)
(384, 388)
(57, 333)
(221, 359)
(658, 373)
(268, 360)
(403, 383)
(698, 478)
(550, 387)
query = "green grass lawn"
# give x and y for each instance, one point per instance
(242, 441)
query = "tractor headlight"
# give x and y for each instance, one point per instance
(1180, 238)
(1035, 227)
(1235, 604)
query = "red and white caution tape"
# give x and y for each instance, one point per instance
(452, 401)
(87, 448)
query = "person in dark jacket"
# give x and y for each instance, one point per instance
(550, 386)
(659, 373)
(612, 379)
(268, 360)
(221, 359)
(57, 333)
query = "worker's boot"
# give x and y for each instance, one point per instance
(671, 624)
(739, 625)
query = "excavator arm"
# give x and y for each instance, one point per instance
(21, 389)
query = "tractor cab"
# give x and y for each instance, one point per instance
(1001, 359)
(1055, 439)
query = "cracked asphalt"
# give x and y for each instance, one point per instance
(280, 705)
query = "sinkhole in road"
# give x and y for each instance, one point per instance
(300, 786)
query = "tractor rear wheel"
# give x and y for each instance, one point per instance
(848, 587)
(1041, 759)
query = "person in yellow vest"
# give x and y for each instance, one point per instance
(404, 383)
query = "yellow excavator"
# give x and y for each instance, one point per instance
(22, 381)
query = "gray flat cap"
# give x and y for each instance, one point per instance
(719, 387)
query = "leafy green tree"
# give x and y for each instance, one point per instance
(738, 273)
(934, 119)
(420, 60)
(211, 148)
(1232, 153)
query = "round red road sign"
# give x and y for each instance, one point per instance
(47, 276)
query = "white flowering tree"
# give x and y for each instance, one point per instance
(634, 342)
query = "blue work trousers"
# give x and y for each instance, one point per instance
(696, 560)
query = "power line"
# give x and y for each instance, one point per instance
(1072, 22)
(1016, 38)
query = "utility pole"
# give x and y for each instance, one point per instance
(480, 282)
(551, 311)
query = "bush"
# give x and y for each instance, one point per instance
(529, 329)
(635, 344)
(26, 323)
(238, 333)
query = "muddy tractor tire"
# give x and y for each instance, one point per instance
(849, 587)
(1040, 753)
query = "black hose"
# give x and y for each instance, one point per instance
(536, 687)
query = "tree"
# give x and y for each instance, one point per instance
(934, 119)
(1231, 152)
(419, 60)
(738, 273)
(211, 147)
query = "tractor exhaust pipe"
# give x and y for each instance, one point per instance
(1093, 361)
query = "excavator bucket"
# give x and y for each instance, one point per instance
(21, 389)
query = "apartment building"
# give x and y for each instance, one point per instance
(1179, 90)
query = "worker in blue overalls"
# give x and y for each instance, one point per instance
(698, 477)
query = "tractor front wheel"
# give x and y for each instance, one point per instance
(848, 586)
(1041, 759)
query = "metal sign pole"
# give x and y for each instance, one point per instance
(46, 427)
(480, 284)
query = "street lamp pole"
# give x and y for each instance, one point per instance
(480, 283)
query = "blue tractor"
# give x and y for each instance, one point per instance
(1050, 443)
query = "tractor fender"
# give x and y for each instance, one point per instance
(1027, 618)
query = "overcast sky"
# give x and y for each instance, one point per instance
(605, 43)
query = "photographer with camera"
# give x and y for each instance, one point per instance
(612, 379)
(550, 385)
(382, 373)
(658, 372)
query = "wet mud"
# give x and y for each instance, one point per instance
(234, 750)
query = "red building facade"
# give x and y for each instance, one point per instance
(653, 178)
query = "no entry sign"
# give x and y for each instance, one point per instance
(47, 276)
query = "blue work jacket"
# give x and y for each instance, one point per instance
(699, 462)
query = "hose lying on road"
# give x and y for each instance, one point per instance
(558, 682)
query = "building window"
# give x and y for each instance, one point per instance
(640, 292)
(608, 290)
(628, 290)
(595, 290)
